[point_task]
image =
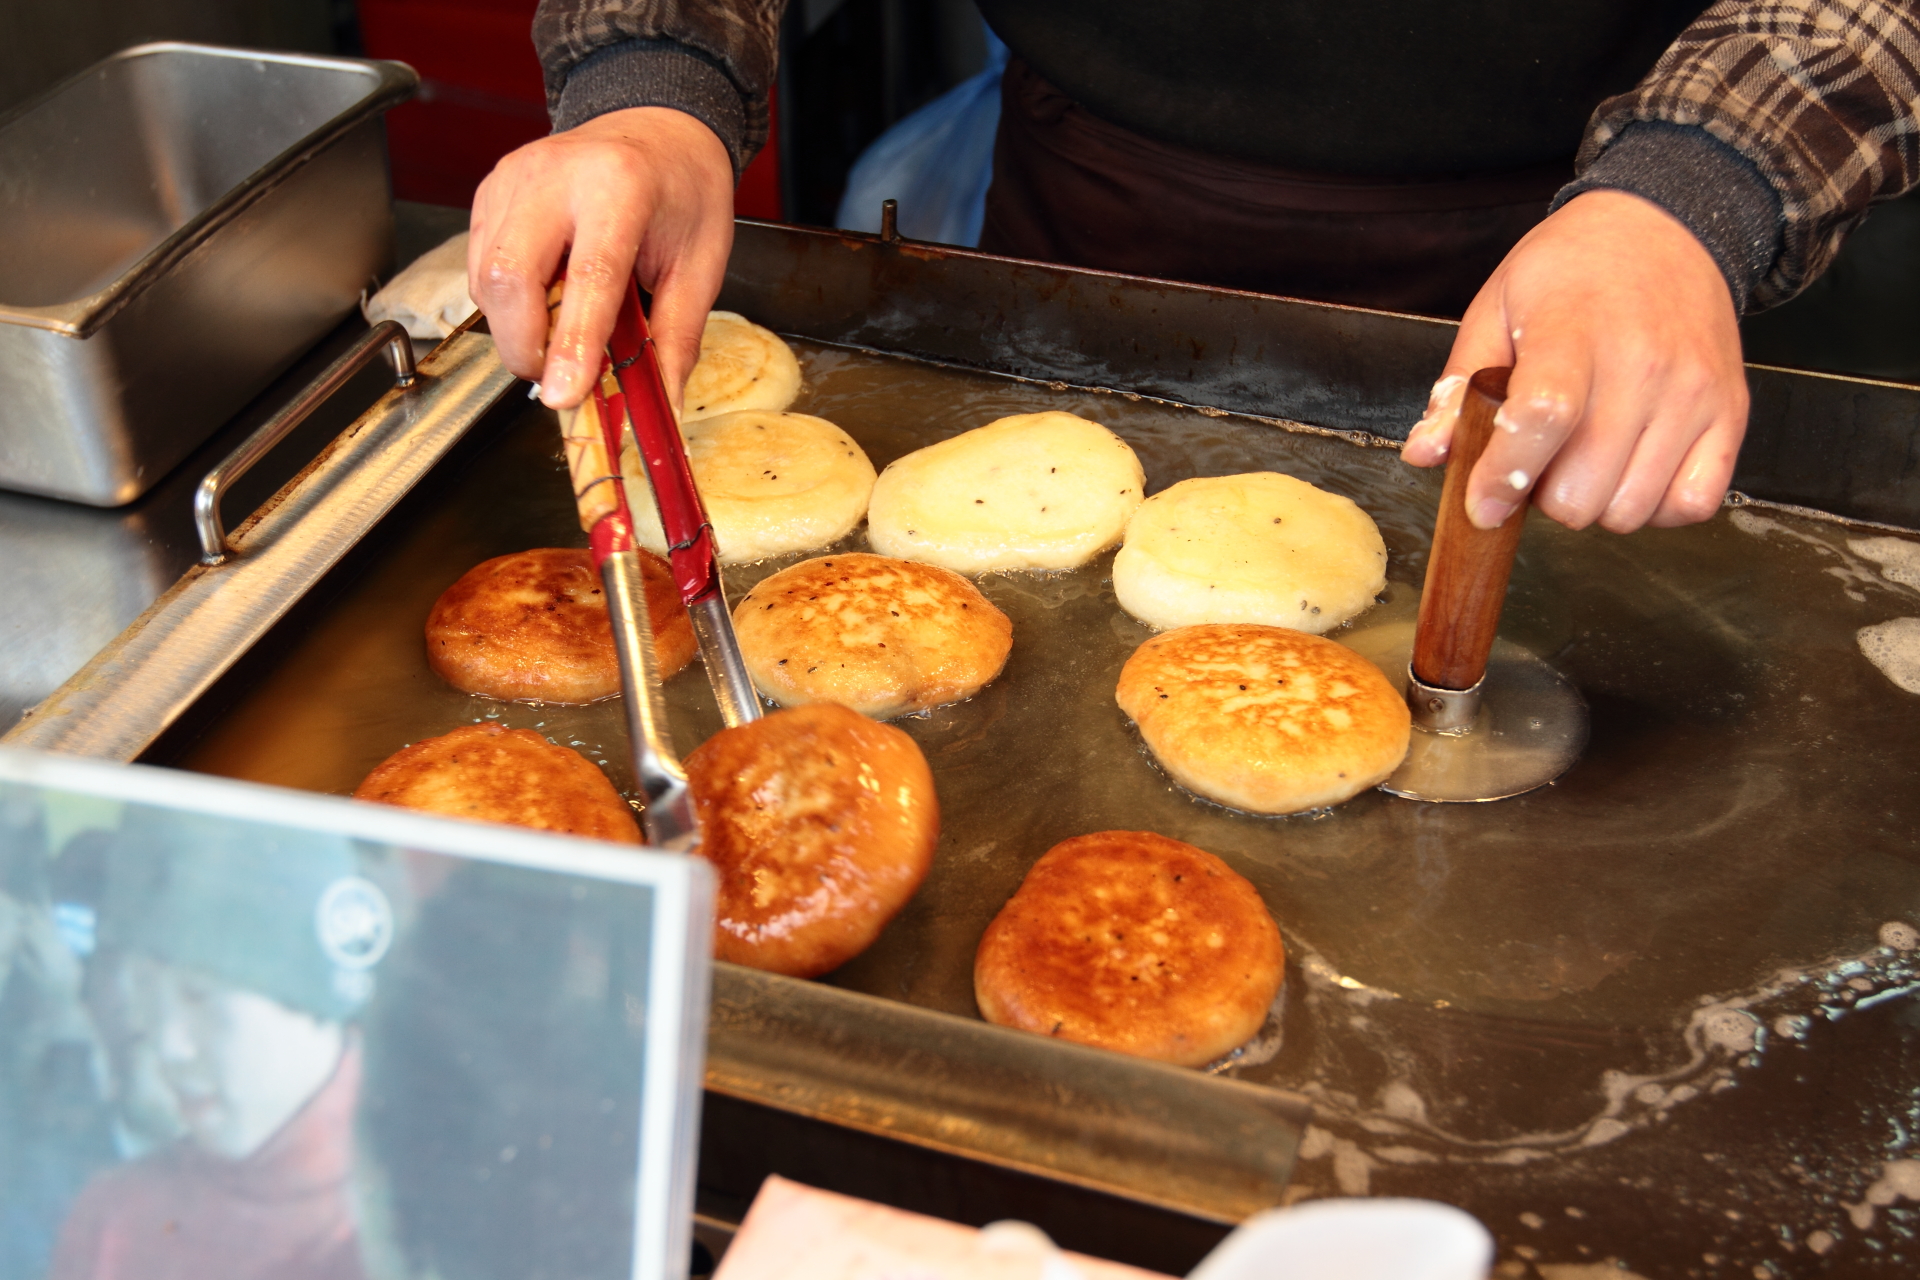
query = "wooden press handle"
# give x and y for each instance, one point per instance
(1467, 570)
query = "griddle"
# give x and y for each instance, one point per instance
(1658, 1012)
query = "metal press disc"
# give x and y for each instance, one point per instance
(1531, 727)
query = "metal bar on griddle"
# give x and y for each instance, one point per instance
(1197, 1144)
(387, 336)
(116, 705)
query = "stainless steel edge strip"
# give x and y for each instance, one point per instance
(1196, 1144)
(116, 705)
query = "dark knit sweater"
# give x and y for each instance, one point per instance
(1765, 126)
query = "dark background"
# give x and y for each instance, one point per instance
(850, 68)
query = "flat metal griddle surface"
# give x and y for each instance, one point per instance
(1656, 1012)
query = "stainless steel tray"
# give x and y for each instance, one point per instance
(182, 221)
(1599, 995)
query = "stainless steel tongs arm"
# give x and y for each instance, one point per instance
(691, 553)
(669, 817)
(593, 439)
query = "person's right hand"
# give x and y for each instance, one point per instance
(1628, 400)
(646, 191)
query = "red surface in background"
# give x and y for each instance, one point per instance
(758, 195)
(481, 96)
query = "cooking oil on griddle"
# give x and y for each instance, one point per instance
(1632, 986)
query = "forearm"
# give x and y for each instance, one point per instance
(1816, 97)
(714, 60)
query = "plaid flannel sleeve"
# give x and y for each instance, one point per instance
(1820, 96)
(714, 59)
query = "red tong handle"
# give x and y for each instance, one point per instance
(613, 532)
(663, 453)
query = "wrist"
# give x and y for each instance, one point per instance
(639, 75)
(1627, 223)
(1705, 186)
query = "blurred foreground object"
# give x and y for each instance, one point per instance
(1353, 1240)
(796, 1232)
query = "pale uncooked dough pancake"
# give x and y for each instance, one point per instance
(495, 774)
(886, 637)
(1034, 491)
(771, 483)
(1133, 942)
(820, 824)
(741, 366)
(1260, 547)
(1265, 719)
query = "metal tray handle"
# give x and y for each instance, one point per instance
(386, 335)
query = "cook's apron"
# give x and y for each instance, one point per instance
(1070, 187)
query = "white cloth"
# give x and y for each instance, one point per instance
(795, 1232)
(1383, 1239)
(430, 297)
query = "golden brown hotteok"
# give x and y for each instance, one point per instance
(532, 627)
(494, 774)
(1133, 942)
(1264, 718)
(886, 637)
(820, 823)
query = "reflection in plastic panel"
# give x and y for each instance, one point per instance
(231, 1050)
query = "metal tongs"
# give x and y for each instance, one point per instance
(593, 457)
(630, 398)
(663, 456)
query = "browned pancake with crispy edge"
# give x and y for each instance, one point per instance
(495, 774)
(820, 824)
(886, 637)
(1264, 718)
(532, 627)
(1133, 942)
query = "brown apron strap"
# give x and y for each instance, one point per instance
(1070, 187)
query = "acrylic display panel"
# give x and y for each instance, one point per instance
(248, 1033)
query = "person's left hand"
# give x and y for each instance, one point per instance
(1628, 400)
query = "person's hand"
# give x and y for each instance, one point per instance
(646, 191)
(1628, 400)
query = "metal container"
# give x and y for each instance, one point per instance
(181, 222)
